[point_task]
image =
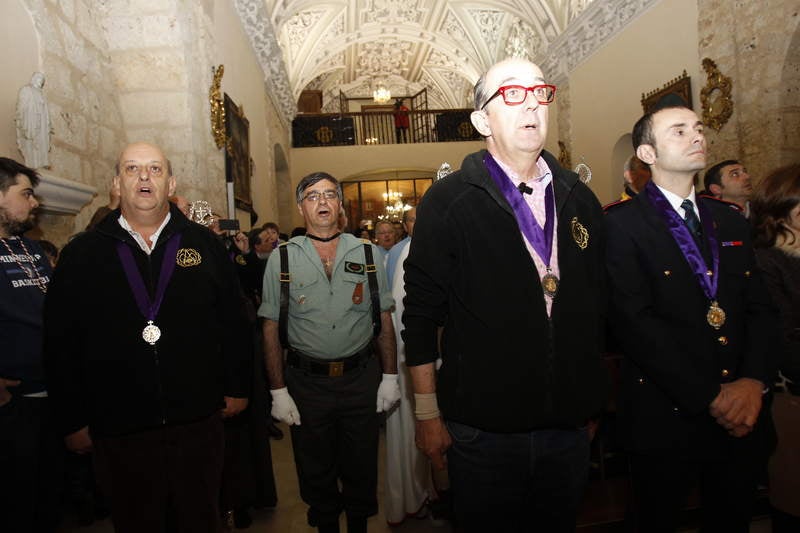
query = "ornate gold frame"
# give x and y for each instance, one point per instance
(217, 107)
(237, 154)
(680, 86)
(716, 109)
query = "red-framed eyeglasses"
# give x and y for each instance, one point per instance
(516, 94)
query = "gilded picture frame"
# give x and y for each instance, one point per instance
(680, 86)
(716, 97)
(237, 154)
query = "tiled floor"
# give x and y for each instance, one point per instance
(605, 504)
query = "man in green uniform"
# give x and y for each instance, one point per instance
(335, 299)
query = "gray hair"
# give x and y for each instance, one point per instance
(313, 178)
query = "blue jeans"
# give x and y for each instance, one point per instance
(517, 482)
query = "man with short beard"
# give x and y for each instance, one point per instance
(30, 449)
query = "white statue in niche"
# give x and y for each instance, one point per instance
(33, 123)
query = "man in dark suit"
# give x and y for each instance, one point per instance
(696, 325)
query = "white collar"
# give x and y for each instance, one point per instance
(146, 248)
(675, 201)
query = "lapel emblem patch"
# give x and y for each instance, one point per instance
(188, 257)
(579, 233)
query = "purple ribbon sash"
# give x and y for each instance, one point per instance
(541, 240)
(149, 308)
(687, 244)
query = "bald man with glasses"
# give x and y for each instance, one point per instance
(506, 262)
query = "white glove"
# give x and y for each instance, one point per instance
(283, 407)
(388, 392)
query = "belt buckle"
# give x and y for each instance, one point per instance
(336, 369)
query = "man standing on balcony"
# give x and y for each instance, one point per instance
(507, 261)
(400, 121)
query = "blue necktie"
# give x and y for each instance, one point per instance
(690, 217)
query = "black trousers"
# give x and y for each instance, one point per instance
(31, 467)
(247, 477)
(166, 475)
(726, 470)
(337, 441)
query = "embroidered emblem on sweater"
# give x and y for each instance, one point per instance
(579, 233)
(188, 257)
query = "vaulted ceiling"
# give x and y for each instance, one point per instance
(352, 45)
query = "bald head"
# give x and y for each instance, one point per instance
(117, 166)
(144, 181)
(511, 113)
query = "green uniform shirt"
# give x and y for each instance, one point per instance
(324, 320)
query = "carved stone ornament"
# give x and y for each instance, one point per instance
(715, 97)
(217, 107)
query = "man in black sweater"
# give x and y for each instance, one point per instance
(147, 349)
(507, 259)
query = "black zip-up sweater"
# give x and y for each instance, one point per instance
(100, 371)
(507, 367)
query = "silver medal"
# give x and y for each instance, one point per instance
(151, 333)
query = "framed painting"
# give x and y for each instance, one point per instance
(679, 87)
(238, 169)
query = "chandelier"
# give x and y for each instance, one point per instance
(394, 206)
(381, 94)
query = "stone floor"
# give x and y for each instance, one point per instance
(603, 509)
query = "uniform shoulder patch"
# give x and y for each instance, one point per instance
(726, 203)
(354, 268)
(617, 203)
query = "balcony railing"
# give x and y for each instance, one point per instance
(378, 127)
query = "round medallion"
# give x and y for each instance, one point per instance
(550, 285)
(151, 333)
(715, 315)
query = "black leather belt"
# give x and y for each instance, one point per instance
(333, 367)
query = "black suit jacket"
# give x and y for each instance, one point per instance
(675, 361)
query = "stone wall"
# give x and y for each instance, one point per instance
(160, 52)
(121, 71)
(752, 43)
(80, 89)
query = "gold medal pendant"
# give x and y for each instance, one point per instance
(151, 333)
(550, 284)
(715, 315)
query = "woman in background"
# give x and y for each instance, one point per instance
(775, 210)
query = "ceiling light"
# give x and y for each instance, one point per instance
(381, 94)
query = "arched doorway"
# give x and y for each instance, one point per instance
(283, 190)
(623, 150)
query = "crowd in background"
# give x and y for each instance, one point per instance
(142, 370)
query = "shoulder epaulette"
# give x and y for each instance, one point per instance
(615, 204)
(283, 243)
(728, 203)
(366, 241)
